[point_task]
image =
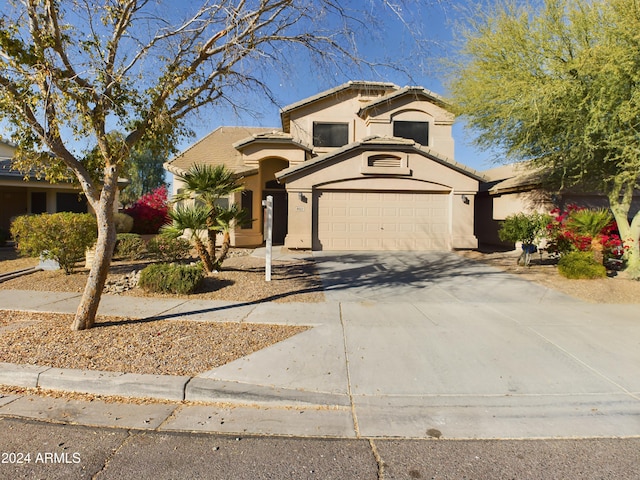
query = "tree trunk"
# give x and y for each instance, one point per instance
(224, 249)
(211, 237)
(629, 232)
(632, 247)
(204, 255)
(88, 308)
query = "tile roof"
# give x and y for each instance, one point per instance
(274, 137)
(386, 142)
(512, 177)
(415, 91)
(216, 149)
(353, 84)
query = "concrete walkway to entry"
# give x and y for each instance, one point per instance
(406, 345)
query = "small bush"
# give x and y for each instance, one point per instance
(124, 222)
(580, 265)
(171, 278)
(63, 237)
(169, 248)
(523, 227)
(130, 246)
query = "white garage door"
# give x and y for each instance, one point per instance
(364, 220)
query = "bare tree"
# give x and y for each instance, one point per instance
(71, 71)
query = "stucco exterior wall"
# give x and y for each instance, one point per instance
(334, 109)
(255, 153)
(348, 171)
(520, 202)
(380, 122)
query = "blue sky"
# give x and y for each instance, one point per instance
(394, 41)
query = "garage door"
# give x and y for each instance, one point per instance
(365, 220)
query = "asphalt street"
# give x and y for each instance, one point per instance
(40, 450)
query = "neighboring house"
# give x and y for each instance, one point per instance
(363, 166)
(513, 188)
(33, 195)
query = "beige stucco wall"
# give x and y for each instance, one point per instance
(249, 237)
(255, 153)
(380, 122)
(344, 108)
(340, 108)
(6, 151)
(346, 172)
(520, 202)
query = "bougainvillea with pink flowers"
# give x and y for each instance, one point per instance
(149, 212)
(564, 239)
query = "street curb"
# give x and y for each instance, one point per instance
(162, 387)
(206, 389)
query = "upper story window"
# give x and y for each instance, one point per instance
(330, 134)
(418, 131)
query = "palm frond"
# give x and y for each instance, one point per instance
(192, 217)
(589, 222)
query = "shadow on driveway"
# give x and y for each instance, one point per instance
(421, 277)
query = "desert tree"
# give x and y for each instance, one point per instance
(71, 71)
(144, 172)
(556, 83)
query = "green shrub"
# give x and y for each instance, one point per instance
(169, 248)
(525, 228)
(577, 265)
(63, 237)
(124, 222)
(4, 236)
(171, 278)
(130, 246)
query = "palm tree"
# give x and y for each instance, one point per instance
(591, 223)
(207, 185)
(191, 220)
(226, 219)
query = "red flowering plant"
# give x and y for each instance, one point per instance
(565, 237)
(150, 211)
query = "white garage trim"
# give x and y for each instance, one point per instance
(381, 220)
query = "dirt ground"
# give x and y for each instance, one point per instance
(241, 279)
(543, 270)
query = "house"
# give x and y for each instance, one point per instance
(514, 188)
(35, 195)
(362, 166)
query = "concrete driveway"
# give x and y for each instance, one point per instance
(442, 277)
(437, 341)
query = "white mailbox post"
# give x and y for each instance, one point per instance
(268, 229)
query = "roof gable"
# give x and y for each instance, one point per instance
(355, 86)
(217, 148)
(398, 95)
(382, 143)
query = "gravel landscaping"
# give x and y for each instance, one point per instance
(164, 347)
(170, 347)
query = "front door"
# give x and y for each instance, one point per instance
(280, 214)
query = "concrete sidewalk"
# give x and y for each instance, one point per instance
(407, 369)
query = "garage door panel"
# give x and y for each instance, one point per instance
(355, 220)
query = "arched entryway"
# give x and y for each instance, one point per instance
(270, 186)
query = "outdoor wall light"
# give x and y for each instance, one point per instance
(302, 197)
(465, 199)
